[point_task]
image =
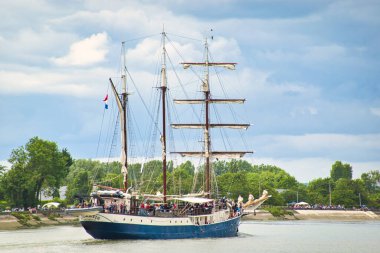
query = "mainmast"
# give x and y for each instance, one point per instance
(207, 141)
(207, 100)
(163, 93)
(122, 106)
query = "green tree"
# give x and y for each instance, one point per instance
(221, 167)
(2, 170)
(84, 173)
(36, 166)
(151, 177)
(278, 179)
(17, 187)
(266, 167)
(360, 192)
(374, 200)
(232, 185)
(78, 186)
(134, 174)
(371, 181)
(259, 181)
(344, 193)
(180, 181)
(340, 170)
(318, 191)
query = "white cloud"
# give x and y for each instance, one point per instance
(32, 47)
(313, 110)
(363, 11)
(306, 54)
(224, 49)
(80, 83)
(144, 55)
(324, 53)
(132, 19)
(356, 148)
(375, 111)
(86, 52)
(302, 110)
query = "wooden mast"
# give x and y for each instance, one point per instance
(124, 95)
(207, 140)
(122, 102)
(163, 93)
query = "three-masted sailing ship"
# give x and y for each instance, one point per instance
(193, 215)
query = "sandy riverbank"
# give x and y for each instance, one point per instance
(9, 222)
(339, 215)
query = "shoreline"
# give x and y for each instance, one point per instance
(321, 215)
(9, 222)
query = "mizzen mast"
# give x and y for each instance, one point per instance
(207, 100)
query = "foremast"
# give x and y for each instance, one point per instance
(122, 101)
(207, 100)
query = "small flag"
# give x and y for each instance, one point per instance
(105, 100)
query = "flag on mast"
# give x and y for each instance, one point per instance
(105, 100)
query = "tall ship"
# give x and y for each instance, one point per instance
(128, 213)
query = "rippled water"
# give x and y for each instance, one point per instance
(284, 236)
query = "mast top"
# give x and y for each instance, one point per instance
(124, 70)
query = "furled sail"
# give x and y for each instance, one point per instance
(200, 126)
(215, 154)
(228, 65)
(212, 101)
(123, 156)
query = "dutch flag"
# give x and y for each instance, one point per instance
(105, 100)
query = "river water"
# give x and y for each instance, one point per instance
(260, 237)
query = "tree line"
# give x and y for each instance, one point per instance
(40, 166)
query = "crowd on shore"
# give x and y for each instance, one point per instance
(326, 207)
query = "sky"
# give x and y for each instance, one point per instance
(309, 70)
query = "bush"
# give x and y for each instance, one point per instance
(36, 217)
(23, 218)
(4, 205)
(53, 216)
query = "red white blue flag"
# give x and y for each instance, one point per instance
(105, 100)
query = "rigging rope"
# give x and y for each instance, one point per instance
(185, 37)
(142, 100)
(229, 105)
(101, 128)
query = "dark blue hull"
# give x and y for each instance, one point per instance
(111, 230)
